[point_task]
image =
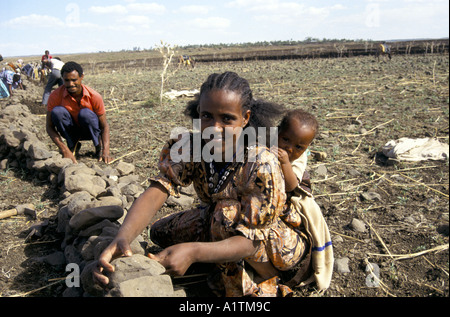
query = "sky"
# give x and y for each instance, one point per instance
(30, 27)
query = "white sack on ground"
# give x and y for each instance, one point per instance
(407, 149)
(173, 94)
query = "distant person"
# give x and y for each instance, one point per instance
(55, 64)
(4, 93)
(44, 66)
(76, 112)
(11, 80)
(46, 56)
(1, 58)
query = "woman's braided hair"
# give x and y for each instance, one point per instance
(263, 113)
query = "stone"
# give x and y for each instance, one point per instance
(87, 281)
(63, 219)
(3, 164)
(11, 140)
(79, 201)
(341, 265)
(145, 286)
(108, 201)
(88, 217)
(38, 151)
(87, 250)
(72, 255)
(94, 185)
(125, 168)
(358, 225)
(371, 196)
(54, 259)
(133, 190)
(353, 172)
(71, 169)
(373, 278)
(132, 267)
(58, 164)
(321, 171)
(129, 179)
(97, 228)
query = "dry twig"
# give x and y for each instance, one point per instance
(413, 255)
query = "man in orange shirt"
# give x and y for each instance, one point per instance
(76, 112)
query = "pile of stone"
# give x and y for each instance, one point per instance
(93, 205)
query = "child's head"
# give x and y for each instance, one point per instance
(296, 131)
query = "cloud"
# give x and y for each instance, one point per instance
(141, 21)
(211, 23)
(153, 8)
(141, 8)
(286, 12)
(34, 20)
(119, 9)
(194, 9)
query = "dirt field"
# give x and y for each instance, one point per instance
(361, 104)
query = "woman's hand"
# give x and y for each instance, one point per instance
(117, 248)
(177, 258)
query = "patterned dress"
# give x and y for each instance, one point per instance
(249, 202)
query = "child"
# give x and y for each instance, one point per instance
(296, 132)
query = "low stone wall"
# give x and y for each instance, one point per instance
(94, 201)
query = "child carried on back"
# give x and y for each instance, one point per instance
(296, 131)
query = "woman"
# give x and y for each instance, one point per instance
(241, 223)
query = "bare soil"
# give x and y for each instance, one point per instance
(404, 97)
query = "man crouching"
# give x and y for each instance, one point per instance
(76, 112)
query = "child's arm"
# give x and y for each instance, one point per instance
(290, 179)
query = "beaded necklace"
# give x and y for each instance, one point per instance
(216, 180)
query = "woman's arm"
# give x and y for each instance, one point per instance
(177, 258)
(138, 217)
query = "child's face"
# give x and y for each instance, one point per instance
(295, 139)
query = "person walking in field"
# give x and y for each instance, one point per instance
(76, 112)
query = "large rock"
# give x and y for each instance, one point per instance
(91, 216)
(145, 286)
(94, 185)
(125, 168)
(135, 266)
(38, 151)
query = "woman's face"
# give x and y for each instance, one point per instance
(221, 109)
